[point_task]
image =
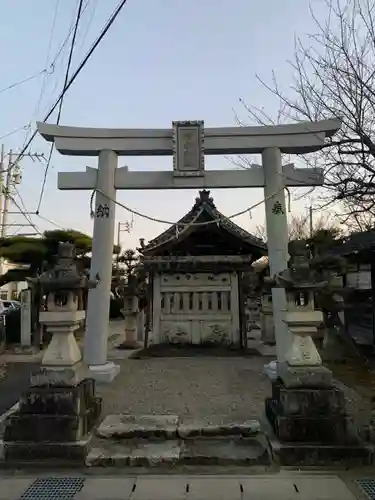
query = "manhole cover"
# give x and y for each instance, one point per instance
(54, 488)
(368, 487)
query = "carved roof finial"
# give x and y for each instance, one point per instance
(204, 197)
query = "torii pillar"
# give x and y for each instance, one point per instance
(96, 335)
(185, 142)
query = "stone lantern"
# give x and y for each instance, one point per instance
(57, 413)
(301, 283)
(306, 413)
(64, 286)
(130, 312)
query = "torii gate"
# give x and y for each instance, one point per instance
(188, 142)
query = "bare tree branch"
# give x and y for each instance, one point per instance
(334, 76)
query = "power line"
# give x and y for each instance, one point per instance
(78, 18)
(24, 127)
(39, 101)
(65, 41)
(22, 212)
(52, 64)
(79, 14)
(91, 18)
(109, 23)
(107, 26)
(25, 80)
(53, 223)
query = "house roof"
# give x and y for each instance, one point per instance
(357, 242)
(204, 208)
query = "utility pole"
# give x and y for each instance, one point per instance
(311, 221)
(13, 178)
(121, 226)
(7, 194)
(2, 156)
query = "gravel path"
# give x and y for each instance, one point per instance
(195, 387)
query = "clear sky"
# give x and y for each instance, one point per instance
(162, 60)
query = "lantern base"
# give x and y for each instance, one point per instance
(54, 421)
(304, 376)
(308, 422)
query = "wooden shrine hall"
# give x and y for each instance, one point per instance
(196, 270)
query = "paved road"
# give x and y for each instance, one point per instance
(266, 487)
(15, 382)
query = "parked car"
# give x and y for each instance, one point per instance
(9, 304)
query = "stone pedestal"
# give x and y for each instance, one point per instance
(54, 421)
(267, 328)
(131, 328)
(130, 312)
(308, 420)
(266, 320)
(141, 319)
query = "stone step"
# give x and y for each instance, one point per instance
(143, 453)
(167, 427)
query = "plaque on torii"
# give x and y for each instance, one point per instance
(188, 148)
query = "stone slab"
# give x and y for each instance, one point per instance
(104, 487)
(309, 402)
(42, 428)
(315, 454)
(130, 453)
(155, 454)
(30, 454)
(67, 400)
(305, 376)
(148, 488)
(138, 426)
(217, 426)
(322, 488)
(11, 489)
(205, 488)
(224, 452)
(302, 455)
(327, 430)
(269, 488)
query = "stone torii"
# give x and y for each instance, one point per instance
(188, 142)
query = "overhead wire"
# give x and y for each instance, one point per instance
(8, 134)
(52, 65)
(65, 41)
(53, 223)
(88, 25)
(67, 84)
(82, 64)
(67, 72)
(25, 214)
(49, 47)
(25, 80)
(71, 80)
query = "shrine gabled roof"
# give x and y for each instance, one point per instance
(204, 204)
